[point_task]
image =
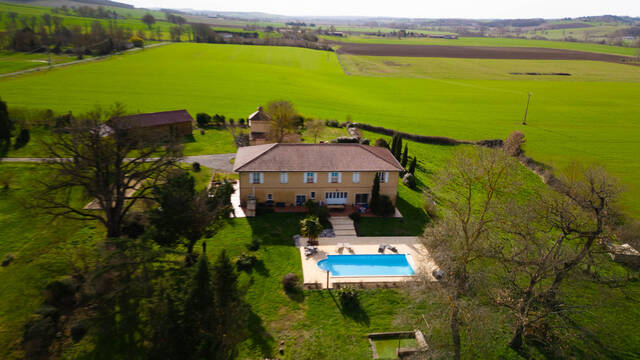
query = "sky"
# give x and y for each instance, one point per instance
(476, 9)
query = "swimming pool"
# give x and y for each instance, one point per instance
(367, 265)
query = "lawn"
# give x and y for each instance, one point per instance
(588, 121)
(489, 41)
(44, 249)
(214, 141)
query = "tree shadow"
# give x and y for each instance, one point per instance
(4, 149)
(259, 336)
(296, 294)
(355, 313)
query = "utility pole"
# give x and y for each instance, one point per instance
(524, 120)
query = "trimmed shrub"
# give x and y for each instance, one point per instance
(355, 216)
(22, 139)
(381, 143)
(348, 298)
(246, 262)
(203, 119)
(365, 141)
(196, 166)
(382, 206)
(430, 206)
(290, 282)
(409, 180)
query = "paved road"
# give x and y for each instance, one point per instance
(221, 162)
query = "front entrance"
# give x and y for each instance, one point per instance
(335, 198)
(300, 200)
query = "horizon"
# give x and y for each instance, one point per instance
(466, 9)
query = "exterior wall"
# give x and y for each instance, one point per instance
(286, 193)
(260, 126)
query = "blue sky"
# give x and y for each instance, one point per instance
(477, 9)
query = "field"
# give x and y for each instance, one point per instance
(487, 41)
(487, 69)
(479, 52)
(567, 120)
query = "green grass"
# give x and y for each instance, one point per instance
(588, 121)
(311, 323)
(387, 348)
(489, 41)
(44, 250)
(214, 141)
(12, 61)
(487, 69)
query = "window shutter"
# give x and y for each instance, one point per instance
(356, 177)
(329, 177)
(340, 177)
(304, 177)
(286, 178)
(315, 177)
(261, 178)
(386, 176)
(250, 178)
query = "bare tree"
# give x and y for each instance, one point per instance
(314, 128)
(545, 239)
(283, 120)
(472, 182)
(106, 164)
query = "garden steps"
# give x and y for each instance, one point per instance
(343, 226)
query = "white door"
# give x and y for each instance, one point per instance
(335, 198)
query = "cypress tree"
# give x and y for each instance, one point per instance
(375, 190)
(5, 124)
(412, 167)
(405, 156)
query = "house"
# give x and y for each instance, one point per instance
(259, 124)
(155, 126)
(334, 174)
(259, 127)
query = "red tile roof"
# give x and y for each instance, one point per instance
(315, 157)
(153, 119)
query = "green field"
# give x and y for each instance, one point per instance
(489, 41)
(589, 121)
(487, 69)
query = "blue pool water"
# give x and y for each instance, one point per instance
(367, 265)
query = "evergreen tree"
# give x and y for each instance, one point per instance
(375, 190)
(231, 310)
(412, 167)
(200, 321)
(396, 147)
(405, 156)
(5, 126)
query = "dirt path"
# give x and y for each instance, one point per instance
(479, 52)
(44, 68)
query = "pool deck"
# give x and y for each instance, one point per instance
(314, 277)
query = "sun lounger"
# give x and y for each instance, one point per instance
(392, 248)
(310, 250)
(381, 248)
(348, 246)
(340, 246)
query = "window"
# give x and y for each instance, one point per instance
(284, 178)
(310, 177)
(256, 178)
(384, 176)
(312, 195)
(362, 199)
(334, 177)
(356, 177)
(269, 197)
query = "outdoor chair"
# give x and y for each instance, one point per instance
(310, 250)
(381, 248)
